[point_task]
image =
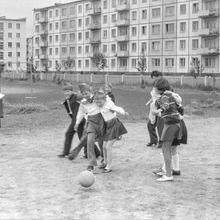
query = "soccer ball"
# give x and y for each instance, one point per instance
(86, 178)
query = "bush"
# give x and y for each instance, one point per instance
(26, 108)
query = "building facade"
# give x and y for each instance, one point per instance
(13, 43)
(171, 35)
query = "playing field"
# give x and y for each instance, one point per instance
(35, 184)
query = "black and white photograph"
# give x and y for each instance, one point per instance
(110, 109)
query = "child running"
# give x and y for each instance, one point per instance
(114, 127)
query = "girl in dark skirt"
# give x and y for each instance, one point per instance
(114, 127)
(174, 131)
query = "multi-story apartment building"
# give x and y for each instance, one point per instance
(29, 52)
(13, 43)
(171, 34)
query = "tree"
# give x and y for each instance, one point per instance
(69, 63)
(142, 67)
(100, 61)
(196, 69)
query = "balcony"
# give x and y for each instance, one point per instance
(123, 7)
(206, 32)
(43, 32)
(123, 38)
(96, 40)
(94, 26)
(122, 53)
(43, 56)
(94, 11)
(44, 44)
(124, 22)
(209, 51)
(43, 20)
(208, 13)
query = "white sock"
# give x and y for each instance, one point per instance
(164, 168)
(176, 164)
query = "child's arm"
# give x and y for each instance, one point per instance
(148, 103)
(176, 96)
(116, 108)
(81, 113)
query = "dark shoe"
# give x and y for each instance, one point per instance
(90, 168)
(107, 170)
(176, 172)
(159, 145)
(102, 166)
(62, 155)
(85, 156)
(151, 144)
(71, 157)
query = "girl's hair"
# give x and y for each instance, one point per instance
(100, 93)
(162, 84)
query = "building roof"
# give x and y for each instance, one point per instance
(11, 19)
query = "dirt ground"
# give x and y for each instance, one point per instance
(35, 184)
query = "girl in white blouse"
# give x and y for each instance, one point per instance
(114, 127)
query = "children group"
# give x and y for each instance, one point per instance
(94, 118)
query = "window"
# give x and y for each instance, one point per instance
(209, 62)
(182, 62)
(156, 29)
(9, 44)
(80, 23)
(9, 64)
(144, 1)
(144, 30)
(18, 64)
(105, 48)
(113, 18)
(134, 31)
(144, 14)
(87, 49)
(170, 28)
(105, 19)
(143, 47)
(72, 50)
(105, 34)
(56, 38)
(182, 27)
(113, 32)
(1, 55)
(72, 23)
(50, 26)
(155, 62)
(182, 44)
(37, 52)
(134, 2)
(18, 45)
(113, 3)
(169, 62)
(57, 25)
(57, 13)
(50, 51)
(113, 63)
(87, 7)
(37, 40)
(133, 63)
(56, 51)
(87, 35)
(50, 39)
(133, 47)
(9, 35)
(195, 26)
(113, 48)
(79, 36)
(1, 46)
(37, 16)
(134, 15)
(195, 44)
(37, 28)
(63, 38)
(64, 25)
(87, 22)
(72, 9)
(156, 46)
(63, 50)
(169, 45)
(169, 11)
(9, 54)
(63, 12)
(123, 62)
(87, 63)
(195, 8)
(182, 9)
(79, 63)
(80, 9)
(50, 14)
(105, 5)
(9, 25)
(155, 12)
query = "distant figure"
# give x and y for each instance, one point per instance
(71, 104)
(108, 91)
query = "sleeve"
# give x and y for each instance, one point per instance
(81, 113)
(177, 98)
(115, 108)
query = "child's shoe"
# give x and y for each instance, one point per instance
(176, 172)
(90, 168)
(165, 178)
(102, 166)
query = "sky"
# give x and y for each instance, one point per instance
(24, 8)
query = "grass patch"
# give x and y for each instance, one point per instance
(25, 108)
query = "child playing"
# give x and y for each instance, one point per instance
(108, 91)
(114, 128)
(172, 133)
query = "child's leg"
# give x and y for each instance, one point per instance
(91, 150)
(105, 152)
(166, 148)
(109, 153)
(175, 157)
